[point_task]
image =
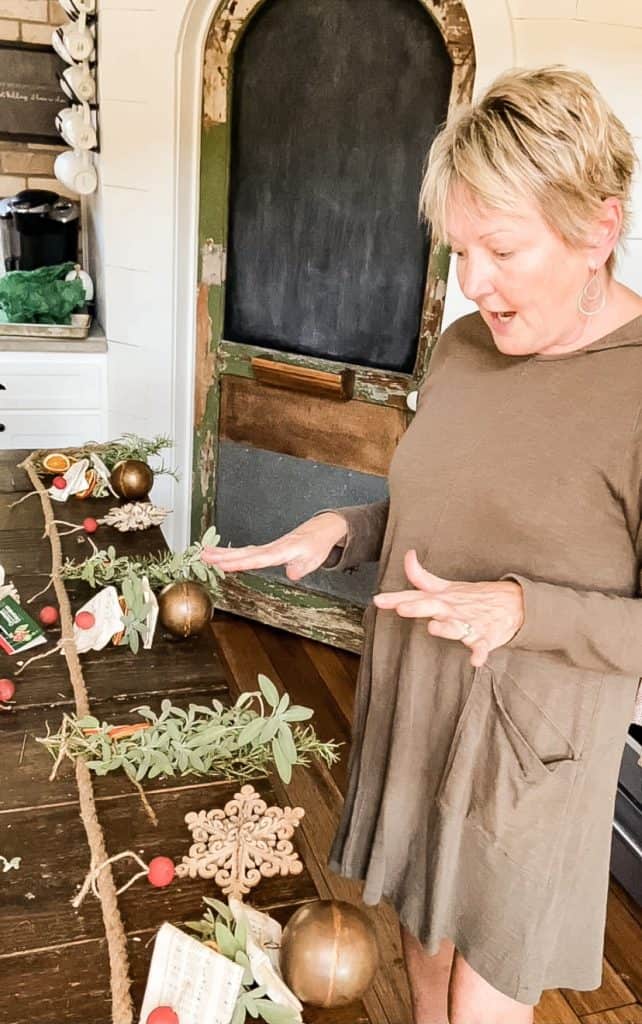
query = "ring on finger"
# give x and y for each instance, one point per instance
(467, 631)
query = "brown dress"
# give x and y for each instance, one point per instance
(480, 802)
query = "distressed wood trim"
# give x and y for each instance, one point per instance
(305, 612)
(380, 387)
(233, 17)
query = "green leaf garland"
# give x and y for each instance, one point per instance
(238, 742)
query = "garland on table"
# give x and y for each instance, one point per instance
(127, 446)
(122, 1006)
(105, 567)
(235, 742)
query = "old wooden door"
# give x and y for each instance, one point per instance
(320, 295)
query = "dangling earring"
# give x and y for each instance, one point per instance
(592, 298)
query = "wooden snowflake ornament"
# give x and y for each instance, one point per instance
(241, 844)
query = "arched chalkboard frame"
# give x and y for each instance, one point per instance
(217, 356)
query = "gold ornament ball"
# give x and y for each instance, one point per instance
(329, 953)
(184, 608)
(132, 479)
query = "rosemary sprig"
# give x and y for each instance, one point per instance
(236, 743)
(105, 567)
(217, 926)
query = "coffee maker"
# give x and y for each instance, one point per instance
(38, 228)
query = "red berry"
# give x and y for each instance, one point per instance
(163, 1015)
(85, 620)
(89, 525)
(48, 615)
(7, 689)
(161, 871)
(59, 482)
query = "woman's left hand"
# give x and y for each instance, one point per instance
(482, 616)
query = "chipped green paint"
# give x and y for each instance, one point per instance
(214, 186)
(214, 183)
(275, 588)
(318, 616)
(215, 147)
(441, 260)
(379, 387)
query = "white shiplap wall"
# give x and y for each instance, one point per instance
(143, 217)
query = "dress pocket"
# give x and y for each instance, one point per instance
(514, 793)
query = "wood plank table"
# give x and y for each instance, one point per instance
(53, 959)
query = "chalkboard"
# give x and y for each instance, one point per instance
(30, 96)
(335, 103)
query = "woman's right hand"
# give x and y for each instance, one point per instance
(301, 551)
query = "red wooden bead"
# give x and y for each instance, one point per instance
(85, 620)
(161, 871)
(163, 1015)
(7, 689)
(59, 483)
(48, 615)
(89, 525)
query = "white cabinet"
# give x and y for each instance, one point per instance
(52, 400)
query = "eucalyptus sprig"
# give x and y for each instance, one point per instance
(127, 446)
(218, 928)
(240, 742)
(105, 567)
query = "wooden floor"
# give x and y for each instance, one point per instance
(324, 678)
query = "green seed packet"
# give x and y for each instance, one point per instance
(18, 631)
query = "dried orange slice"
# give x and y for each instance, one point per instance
(92, 479)
(56, 462)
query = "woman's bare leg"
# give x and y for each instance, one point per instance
(429, 977)
(471, 1000)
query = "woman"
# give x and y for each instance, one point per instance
(487, 739)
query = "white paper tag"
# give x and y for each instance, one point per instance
(152, 615)
(103, 474)
(8, 589)
(75, 480)
(264, 952)
(199, 984)
(107, 612)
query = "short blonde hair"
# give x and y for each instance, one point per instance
(545, 135)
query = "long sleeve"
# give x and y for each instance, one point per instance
(599, 632)
(593, 630)
(362, 543)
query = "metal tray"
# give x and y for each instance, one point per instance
(78, 328)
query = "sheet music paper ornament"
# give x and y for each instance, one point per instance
(241, 844)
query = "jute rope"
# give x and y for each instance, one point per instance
(122, 1009)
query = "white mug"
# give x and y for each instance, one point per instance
(74, 124)
(75, 41)
(73, 8)
(78, 83)
(75, 169)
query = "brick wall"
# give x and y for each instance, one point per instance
(26, 164)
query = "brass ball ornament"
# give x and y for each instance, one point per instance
(329, 953)
(132, 479)
(184, 608)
